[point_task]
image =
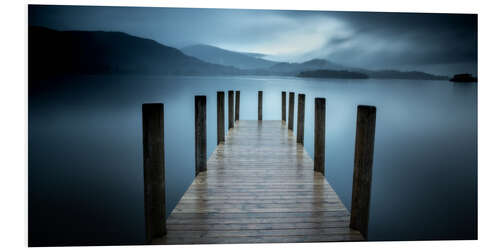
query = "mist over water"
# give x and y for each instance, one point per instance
(86, 167)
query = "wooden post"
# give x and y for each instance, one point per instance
(220, 116)
(237, 107)
(200, 125)
(154, 170)
(300, 118)
(283, 106)
(363, 162)
(230, 109)
(291, 102)
(260, 106)
(319, 135)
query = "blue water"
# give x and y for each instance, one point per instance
(85, 151)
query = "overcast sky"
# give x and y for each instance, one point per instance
(435, 43)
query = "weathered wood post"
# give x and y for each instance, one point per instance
(363, 162)
(237, 107)
(300, 118)
(200, 126)
(319, 134)
(220, 116)
(283, 106)
(230, 109)
(260, 106)
(154, 170)
(291, 107)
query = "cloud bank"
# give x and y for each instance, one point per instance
(436, 43)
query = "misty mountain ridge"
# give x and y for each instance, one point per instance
(54, 52)
(314, 64)
(252, 64)
(212, 54)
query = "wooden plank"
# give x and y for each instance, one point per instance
(318, 214)
(249, 220)
(259, 232)
(258, 226)
(260, 186)
(261, 239)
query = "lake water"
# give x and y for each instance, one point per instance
(86, 167)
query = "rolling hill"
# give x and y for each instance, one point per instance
(96, 52)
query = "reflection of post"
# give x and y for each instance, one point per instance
(154, 170)
(220, 116)
(283, 106)
(200, 113)
(260, 106)
(300, 118)
(291, 102)
(230, 109)
(237, 107)
(319, 135)
(363, 162)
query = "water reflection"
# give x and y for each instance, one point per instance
(85, 151)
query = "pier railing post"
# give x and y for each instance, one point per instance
(319, 134)
(363, 162)
(154, 170)
(230, 111)
(300, 118)
(200, 120)
(220, 116)
(237, 106)
(283, 106)
(291, 107)
(260, 106)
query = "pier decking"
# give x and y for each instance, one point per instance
(260, 187)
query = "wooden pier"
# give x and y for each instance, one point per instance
(259, 187)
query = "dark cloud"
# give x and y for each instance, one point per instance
(426, 38)
(440, 43)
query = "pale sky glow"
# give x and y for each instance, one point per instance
(292, 39)
(358, 39)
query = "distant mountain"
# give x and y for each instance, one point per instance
(220, 56)
(337, 74)
(296, 68)
(255, 55)
(52, 52)
(322, 64)
(97, 52)
(396, 74)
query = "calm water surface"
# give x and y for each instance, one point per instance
(85, 151)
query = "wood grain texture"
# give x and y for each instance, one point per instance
(220, 117)
(363, 163)
(300, 118)
(237, 106)
(283, 106)
(260, 187)
(259, 106)
(319, 134)
(154, 169)
(230, 109)
(291, 110)
(200, 134)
